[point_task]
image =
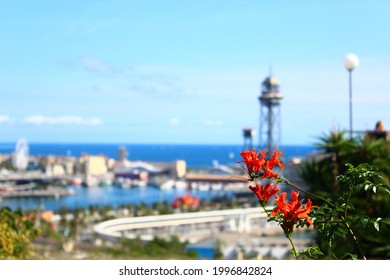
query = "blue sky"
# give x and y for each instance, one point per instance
(187, 71)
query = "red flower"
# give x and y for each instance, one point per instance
(268, 173)
(292, 211)
(252, 161)
(275, 160)
(257, 166)
(264, 193)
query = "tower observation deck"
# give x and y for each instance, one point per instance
(270, 120)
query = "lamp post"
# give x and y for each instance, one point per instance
(351, 61)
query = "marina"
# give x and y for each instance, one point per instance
(111, 196)
(75, 176)
(56, 193)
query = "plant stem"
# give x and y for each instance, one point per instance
(266, 211)
(354, 238)
(330, 222)
(346, 205)
(284, 180)
(292, 245)
(334, 256)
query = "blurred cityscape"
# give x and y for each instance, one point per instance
(208, 212)
(175, 72)
(208, 208)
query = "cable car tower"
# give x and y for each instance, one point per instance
(270, 120)
(247, 133)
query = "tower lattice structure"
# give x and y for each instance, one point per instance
(247, 133)
(270, 114)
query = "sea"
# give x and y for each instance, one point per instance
(196, 156)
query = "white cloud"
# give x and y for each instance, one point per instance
(174, 121)
(94, 121)
(151, 81)
(5, 119)
(62, 120)
(96, 65)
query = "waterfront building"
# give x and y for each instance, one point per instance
(379, 132)
(156, 173)
(122, 154)
(69, 166)
(95, 165)
(58, 170)
(5, 160)
(180, 169)
(110, 163)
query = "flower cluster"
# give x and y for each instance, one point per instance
(257, 166)
(264, 193)
(287, 214)
(291, 213)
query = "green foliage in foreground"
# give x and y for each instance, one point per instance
(353, 175)
(158, 248)
(16, 231)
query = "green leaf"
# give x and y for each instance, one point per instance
(385, 187)
(312, 252)
(377, 224)
(365, 221)
(385, 221)
(351, 256)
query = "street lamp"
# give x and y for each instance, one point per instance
(351, 61)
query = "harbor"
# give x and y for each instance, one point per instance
(50, 192)
(52, 182)
(94, 190)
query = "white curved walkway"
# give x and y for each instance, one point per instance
(239, 220)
